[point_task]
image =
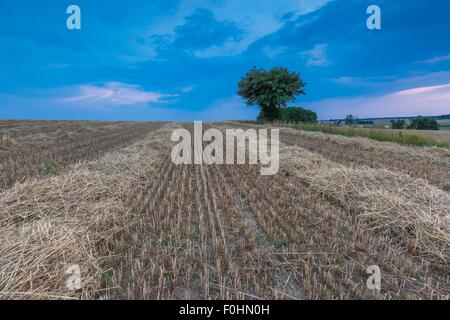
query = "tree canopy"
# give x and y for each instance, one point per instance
(270, 90)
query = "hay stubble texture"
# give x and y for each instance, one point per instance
(140, 227)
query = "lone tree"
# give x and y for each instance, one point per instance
(270, 90)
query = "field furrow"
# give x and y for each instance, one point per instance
(71, 220)
(139, 226)
(430, 164)
(55, 147)
(329, 248)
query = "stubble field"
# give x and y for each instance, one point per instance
(107, 198)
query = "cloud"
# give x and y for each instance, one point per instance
(53, 66)
(202, 30)
(112, 93)
(394, 83)
(203, 36)
(231, 47)
(261, 19)
(273, 52)
(189, 88)
(422, 90)
(437, 59)
(432, 100)
(317, 56)
(108, 96)
(355, 81)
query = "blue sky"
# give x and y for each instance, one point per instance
(182, 60)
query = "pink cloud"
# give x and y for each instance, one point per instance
(422, 90)
(112, 93)
(433, 100)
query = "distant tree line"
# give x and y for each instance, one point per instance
(398, 124)
(419, 123)
(351, 120)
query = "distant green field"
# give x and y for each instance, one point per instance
(404, 137)
(445, 128)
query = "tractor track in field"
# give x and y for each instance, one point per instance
(286, 284)
(207, 241)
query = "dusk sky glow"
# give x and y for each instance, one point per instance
(181, 60)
